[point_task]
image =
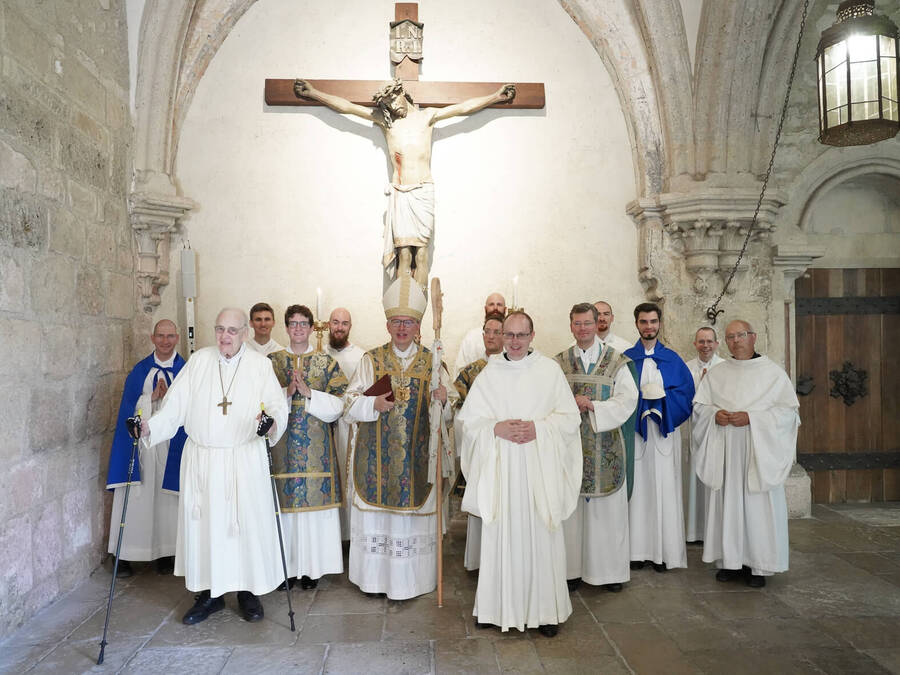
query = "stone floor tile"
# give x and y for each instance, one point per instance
(889, 659)
(346, 600)
(81, 656)
(178, 661)
(336, 628)
(746, 604)
(694, 634)
(387, 658)
(579, 637)
(875, 563)
(774, 633)
(665, 603)
(268, 661)
(863, 632)
(601, 663)
(736, 661)
(224, 628)
(843, 662)
(138, 611)
(647, 649)
(422, 619)
(519, 656)
(466, 655)
(623, 607)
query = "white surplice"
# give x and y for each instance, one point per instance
(269, 348)
(655, 512)
(596, 534)
(470, 349)
(617, 343)
(745, 467)
(227, 537)
(151, 522)
(390, 552)
(523, 492)
(693, 489)
(312, 539)
(348, 359)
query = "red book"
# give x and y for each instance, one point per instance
(382, 386)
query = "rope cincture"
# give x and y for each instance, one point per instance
(713, 311)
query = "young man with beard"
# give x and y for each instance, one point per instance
(655, 512)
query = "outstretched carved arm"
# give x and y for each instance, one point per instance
(504, 94)
(303, 89)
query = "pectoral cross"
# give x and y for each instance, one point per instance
(224, 404)
(406, 53)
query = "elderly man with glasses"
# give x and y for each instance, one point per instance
(744, 429)
(227, 538)
(393, 526)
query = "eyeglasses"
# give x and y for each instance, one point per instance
(406, 323)
(492, 333)
(231, 330)
(731, 337)
(517, 336)
(584, 324)
(298, 324)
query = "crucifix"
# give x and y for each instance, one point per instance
(395, 108)
(224, 404)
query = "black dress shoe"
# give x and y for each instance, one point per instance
(613, 588)
(203, 607)
(573, 584)
(124, 570)
(636, 564)
(548, 629)
(165, 565)
(306, 583)
(291, 581)
(251, 607)
(660, 567)
(756, 581)
(482, 626)
(725, 576)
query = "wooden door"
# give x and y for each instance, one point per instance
(849, 315)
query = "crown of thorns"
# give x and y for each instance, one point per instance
(389, 90)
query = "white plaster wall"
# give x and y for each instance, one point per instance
(857, 223)
(691, 11)
(292, 198)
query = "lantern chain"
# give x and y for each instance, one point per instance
(713, 311)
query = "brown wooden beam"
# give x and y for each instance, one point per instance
(529, 95)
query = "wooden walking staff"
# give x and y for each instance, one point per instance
(435, 445)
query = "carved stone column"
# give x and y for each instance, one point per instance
(154, 216)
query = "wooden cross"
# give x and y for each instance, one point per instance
(224, 404)
(529, 95)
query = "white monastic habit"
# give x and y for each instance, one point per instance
(656, 501)
(348, 359)
(745, 467)
(470, 349)
(269, 348)
(523, 492)
(151, 522)
(227, 537)
(403, 563)
(596, 534)
(616, 342)
(312, 539)
(693, 489)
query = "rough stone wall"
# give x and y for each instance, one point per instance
(66, 288)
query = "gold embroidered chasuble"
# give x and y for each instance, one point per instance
(390, 462)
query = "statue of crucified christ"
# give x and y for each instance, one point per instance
(407, 129)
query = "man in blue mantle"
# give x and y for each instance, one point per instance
(655, 512)
(151, 521)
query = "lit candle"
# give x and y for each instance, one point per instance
(515, 302)
(318, 304)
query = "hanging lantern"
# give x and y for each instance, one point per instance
(857, 61)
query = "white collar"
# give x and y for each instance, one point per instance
(406, 353)
(234, 359)
(168, 363)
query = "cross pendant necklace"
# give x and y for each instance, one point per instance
(225, 402)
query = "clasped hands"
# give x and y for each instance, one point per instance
(515, 431)
(725, 418)
(584, 403)
(298, 385)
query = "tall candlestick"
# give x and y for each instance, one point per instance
(319, 304)
(515, 298)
